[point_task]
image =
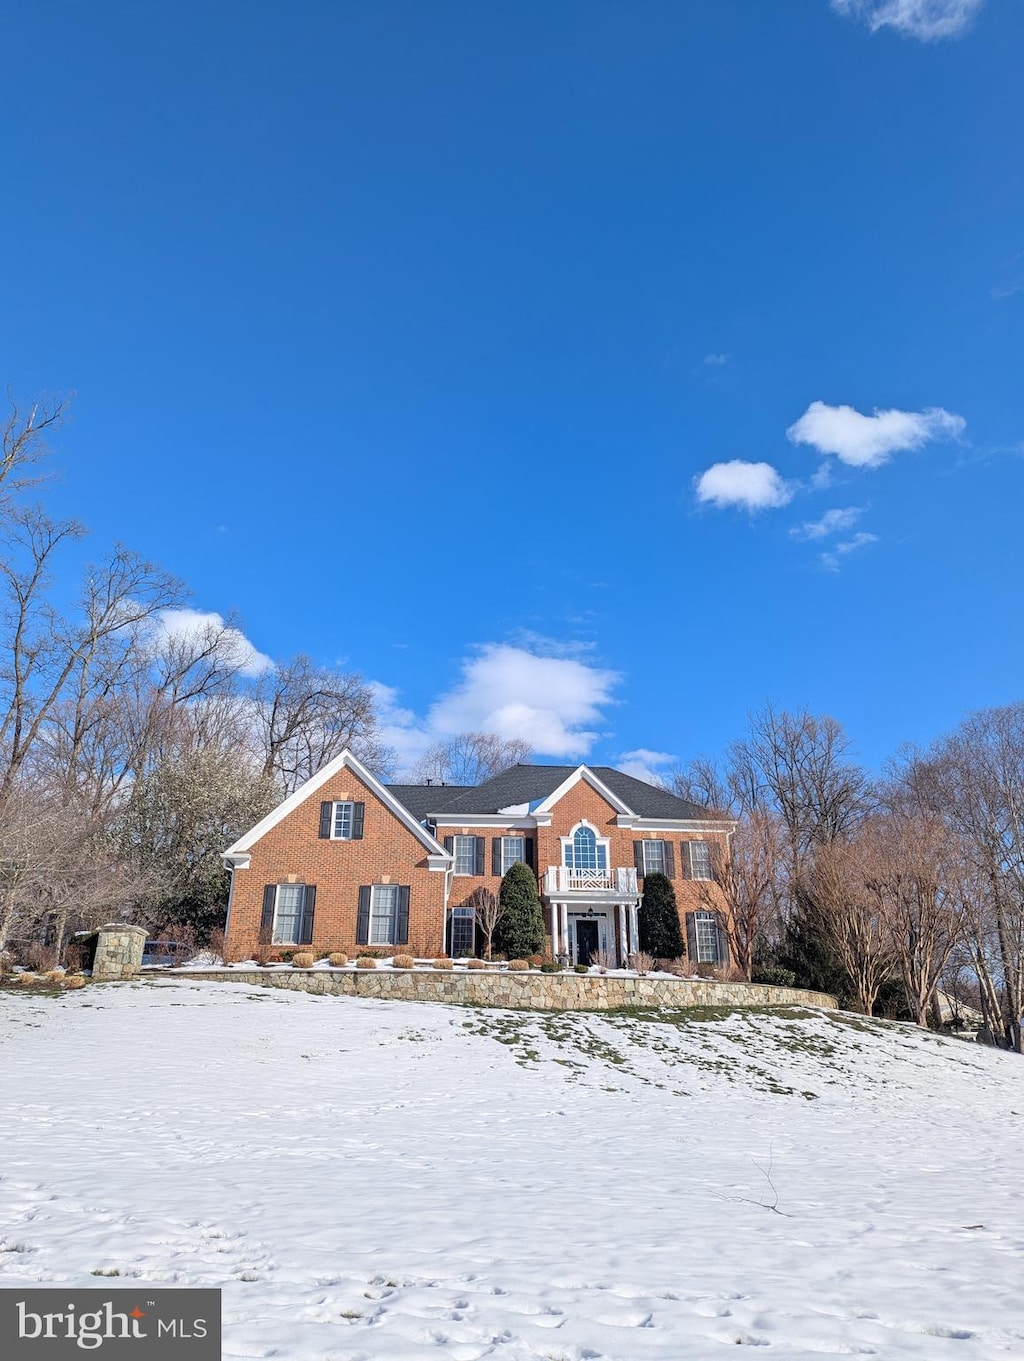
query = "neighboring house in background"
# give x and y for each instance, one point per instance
(347, 861)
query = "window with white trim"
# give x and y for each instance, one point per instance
(654, 857)
(513, 852)
(464, 850)
(700, 860)
(383, 914)
(341, 822)
(288, 905)
(584, 851)
(705, 926)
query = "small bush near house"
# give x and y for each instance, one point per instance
(54, 975)
(660, 932)
(262, 954)
(74, 980)
(602, 960)
(337, 960)
(369, 952)
(404, 962)
(366, 962)
(775, 976)
(302, 961)
(519, 965)
(476, 964)
(26, 980)
(520, 932)
(535, 961)
(444, 963)
(550, 966)
(706, 970)
(641, 962)
(581, 968)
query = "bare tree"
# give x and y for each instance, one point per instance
(470, 758)
(747, 872)
(847, 903)
(303, 715)
(23, 442)
(487, 912)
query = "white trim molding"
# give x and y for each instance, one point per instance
(345, 761)
(584, 773)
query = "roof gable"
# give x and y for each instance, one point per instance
(346, 761)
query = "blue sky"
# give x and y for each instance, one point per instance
(417, 335)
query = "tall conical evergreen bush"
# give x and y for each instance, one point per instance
(660, 934)
(520, 932)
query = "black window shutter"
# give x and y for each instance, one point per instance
(691, 937)
(496, 855)
(326, 817)
(670, 859)
(363, 919)
(449, 844)
(308, 908)
(530, 851)
(267, 917)
(402, 922)
(684, 858)
(358, 818)
(638, 857)
(481, 855)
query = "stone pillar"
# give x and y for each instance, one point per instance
(118, 952)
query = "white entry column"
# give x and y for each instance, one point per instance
(566, 947)
(623, 943)
(556, 912)
(634, 928)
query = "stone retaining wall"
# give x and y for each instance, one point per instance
(531, 991)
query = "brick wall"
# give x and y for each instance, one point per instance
(293, 852)
(583, 803)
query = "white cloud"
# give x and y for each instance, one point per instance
(924, 19)
(643, 764)
(833, 560)
(753, 486)
(716, 361)
(198, 625)
(832, 522)
(869, 441)
(551, 702)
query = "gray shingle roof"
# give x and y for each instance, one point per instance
(529, 784)
(424, 799)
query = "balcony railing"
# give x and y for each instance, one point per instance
(620, 880)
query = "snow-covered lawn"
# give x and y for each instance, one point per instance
(392, 1180)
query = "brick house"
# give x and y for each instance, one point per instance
(346, 861)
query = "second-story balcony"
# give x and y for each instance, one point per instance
(618, 882)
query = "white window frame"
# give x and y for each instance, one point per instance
(660, 842)
(709, 865)
(455, 856)
(335, 813)
(507, 861)
(603, 848)
(276, 936)
(377, 891)
(705, 918)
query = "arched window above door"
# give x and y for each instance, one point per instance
(583, 850)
